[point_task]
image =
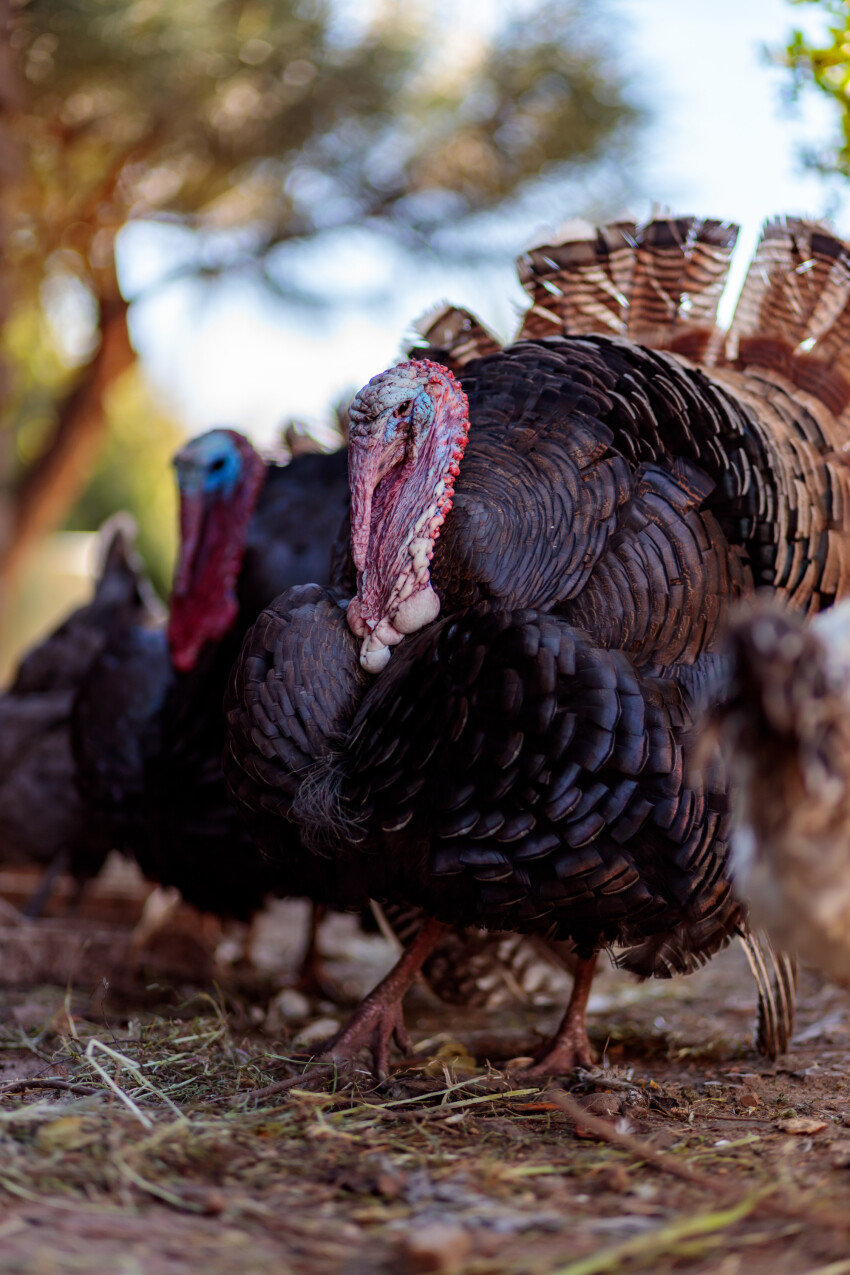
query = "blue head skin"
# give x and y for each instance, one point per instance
(209, 466)
(220, 477)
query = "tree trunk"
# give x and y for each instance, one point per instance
(11, 163)
(48, 488)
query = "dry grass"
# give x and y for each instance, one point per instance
(192, 1138)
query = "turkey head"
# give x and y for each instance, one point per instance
(408, 433)
(219, 476)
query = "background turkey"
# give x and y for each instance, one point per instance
(524, 769)
(788, 723)
(148, 722)
(43, 819)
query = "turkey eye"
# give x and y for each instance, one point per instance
(404, 408)
(217, 465)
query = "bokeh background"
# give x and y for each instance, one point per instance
(231, 211)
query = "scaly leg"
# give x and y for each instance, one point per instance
(569, 1047)
(380, 1018)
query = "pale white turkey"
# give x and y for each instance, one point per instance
(788, 727)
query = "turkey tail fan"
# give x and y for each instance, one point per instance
(452, 336)
(581, 283)
(681, 267)
(793, 314)
(658, 284)
(776, 977)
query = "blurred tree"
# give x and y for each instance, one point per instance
(825, 63)
(271, 121)
(133, 471)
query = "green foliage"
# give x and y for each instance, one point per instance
(259, 122)
(269, 113)
(825, 63)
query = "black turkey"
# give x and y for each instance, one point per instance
(43, 818)
(148, 722)
(579, 512)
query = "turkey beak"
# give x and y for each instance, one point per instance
(192, 511)
(364, 474)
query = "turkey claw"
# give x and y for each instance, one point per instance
(562, 1058)
(374, 1026)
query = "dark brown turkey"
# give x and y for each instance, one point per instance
(548, 548)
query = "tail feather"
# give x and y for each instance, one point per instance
(681, 268)
(793, 314)
(776, 977)
(453, 337)
(659, 284)
(580, 284)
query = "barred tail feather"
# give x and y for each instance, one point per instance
(452, 336)
(793, 314)
(681, 269)
(776, 977)
(581, 283)
(658, 284)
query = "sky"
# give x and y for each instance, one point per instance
(723, 143)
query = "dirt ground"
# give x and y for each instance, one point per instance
(181, 1127)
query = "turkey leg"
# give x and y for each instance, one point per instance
(380, 1018)
(570, 1047)
(313, 980)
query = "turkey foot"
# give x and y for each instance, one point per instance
(380, 1018)
(570, 1047)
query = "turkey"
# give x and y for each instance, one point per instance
(546, 549)
(148, 722)
(43, 819)
(787, 721)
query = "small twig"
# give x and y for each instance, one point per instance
(18, 1086)
(281, 1086)
(607, 1132)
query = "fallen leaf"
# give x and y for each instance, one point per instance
(802, 1124)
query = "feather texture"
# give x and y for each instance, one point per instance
(657, 284)
(519, 764)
